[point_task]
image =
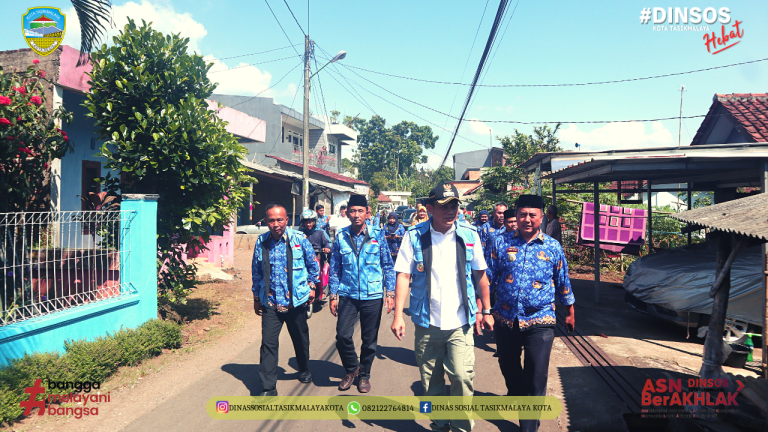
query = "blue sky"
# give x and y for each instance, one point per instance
(545, 43)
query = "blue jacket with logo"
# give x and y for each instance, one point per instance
(291, 281)
(421, 291)
(361, 266)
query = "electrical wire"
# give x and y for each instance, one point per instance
(419, 117)
(333, 65)
(270, 87)
(281, 28)
(523, 122)
(471, 49)
(261, 52)
(282, 125)
(563, 84)
(253, 64)
(294, 17)
(489, 43)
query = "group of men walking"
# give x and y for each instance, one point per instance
(447, 269)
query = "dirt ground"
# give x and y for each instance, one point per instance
(220, 355)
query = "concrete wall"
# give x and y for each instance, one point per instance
(81, 131)
(472, 159)
(22, 58)
(264, 109)
(138, 272)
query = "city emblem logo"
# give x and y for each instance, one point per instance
(43, 28)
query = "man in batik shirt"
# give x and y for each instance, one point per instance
(494, 226)
(527, 269)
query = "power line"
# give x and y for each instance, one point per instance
(364, 102)
(281, 28)
(282, 123)
(294, 17)
(521, 122)
(253, 64)
(271, 87)
(477, 32)
(489, 43)
(262, 52)
(419, 117)
(319, 84)
(563, 84)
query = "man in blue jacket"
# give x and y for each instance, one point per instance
(361, 278)
(448, 296)
(284, 272)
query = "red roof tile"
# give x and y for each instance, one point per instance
(750, 110)
(384, 198)
(322, 172)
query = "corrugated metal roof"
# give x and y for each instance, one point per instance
(745, 216)
(293, 176)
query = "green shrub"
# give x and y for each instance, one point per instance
(83, 360)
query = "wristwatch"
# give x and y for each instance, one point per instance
(486, 312)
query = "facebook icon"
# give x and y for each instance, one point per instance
(425, 407)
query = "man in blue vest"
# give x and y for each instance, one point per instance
(527, 269)
(284, 272)
(449, 295)
(361, 278)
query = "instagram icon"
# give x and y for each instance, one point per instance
(222, 407)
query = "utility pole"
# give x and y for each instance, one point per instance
(680, 124)
(305, 149)
(490, 135)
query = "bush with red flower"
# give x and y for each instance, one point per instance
(29, 140)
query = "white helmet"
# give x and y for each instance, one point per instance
(308, 214)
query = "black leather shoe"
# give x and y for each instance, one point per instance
(305, 377)
(268, 393)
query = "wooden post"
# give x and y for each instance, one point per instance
(690, 206)
(596, 199)
(650, 220)
(554, 193)
(713, 345)
(293, 217)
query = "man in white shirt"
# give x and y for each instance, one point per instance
(445, 258)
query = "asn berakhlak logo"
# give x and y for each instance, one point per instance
(43, 29)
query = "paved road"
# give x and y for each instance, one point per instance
(394, 374)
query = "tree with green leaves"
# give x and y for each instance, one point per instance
(148, 100)
(397, 149)
(517, 149)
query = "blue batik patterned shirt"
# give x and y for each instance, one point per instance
(487, 232)
(322, 223)
(526, 277)
(279, 297)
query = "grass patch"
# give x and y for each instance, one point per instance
(83, 360)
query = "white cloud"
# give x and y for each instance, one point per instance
(476, 127)
(614, 136)
(163, 17)
(242, 79)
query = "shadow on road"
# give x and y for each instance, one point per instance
(401, 355)
(249, 375)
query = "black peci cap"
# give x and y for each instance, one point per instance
(443, 193)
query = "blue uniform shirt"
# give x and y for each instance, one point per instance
(322, 223)
(394, 245)
(526, 277)
(384, 256)
(488, 231)
(279, 297)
